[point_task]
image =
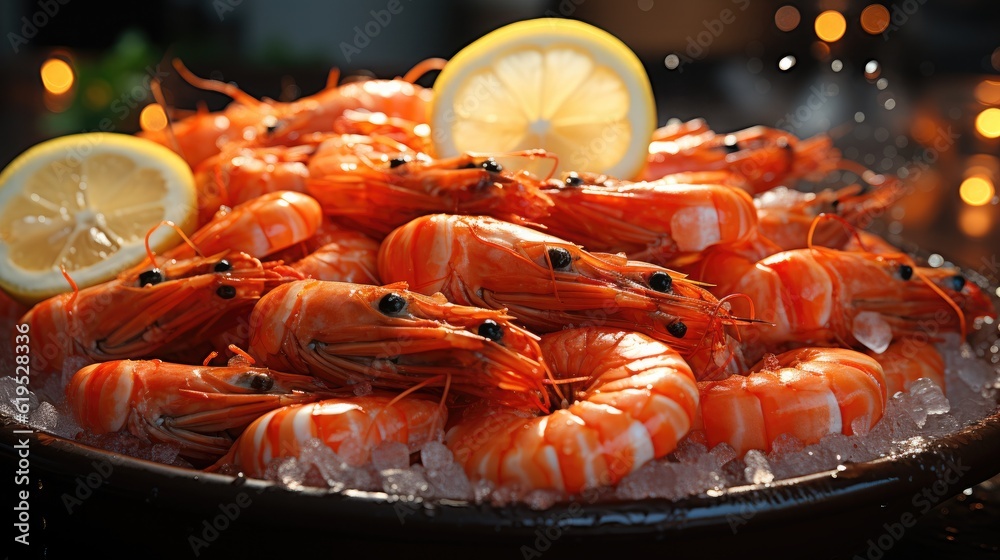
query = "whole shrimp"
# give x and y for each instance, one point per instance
(549, 283)
(821, 296)
(155, 311)
(764, 157)
(626, 399)
(375, 192)
(194, 407)
(656, 221)
(240, 173)
(807, 393)
(351, 427)
(786, 217)
(271, 123)
(391, 338)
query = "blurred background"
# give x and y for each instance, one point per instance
(907, 87)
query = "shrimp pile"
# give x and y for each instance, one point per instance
(553, 333)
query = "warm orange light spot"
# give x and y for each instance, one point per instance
(152, 118)
(988, 122)
(975, 221)
(830, 26)
(875, 19)
(976, 190)
(787, 18)
(820, 50)
(988, 92)
(57, 76)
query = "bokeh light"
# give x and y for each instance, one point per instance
(988, 92)
(787, 18)
(975, 221)
(976, 191)
(872, 69)
(830, 26)
(988, 122)
(786, 63)
(875, 19)
(57, 76)
(152, 118)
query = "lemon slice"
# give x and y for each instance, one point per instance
(86, 202)
(561, 85)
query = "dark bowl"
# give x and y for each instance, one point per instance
(83, 498)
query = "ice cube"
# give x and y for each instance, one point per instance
(757, 471)
(872, 330)
(390, 455)
(450, 482)
(408, 482)
(435, 456)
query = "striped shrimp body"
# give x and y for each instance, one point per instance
(654, 221)
(396, 339)
(549, 283)
(807, 393)
(626, 400)
(258, 227)
(907, 360)
(822, 296)
(194, 407)
(240, 173)
(351, 427)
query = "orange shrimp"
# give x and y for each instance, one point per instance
(907, 360)
(626, 400)
(351, 427)
(785, 216)
(412, 134)
(240, 173)
(395, 339)
(654, 221)
(377, 194)
(765, 157)
(271, 123)
(258, 227)
(815, 296)
(807, 393)
(335, 254)
(151, 311)
(548, 283)
(194, 407)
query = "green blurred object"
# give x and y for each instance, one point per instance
(109, 92)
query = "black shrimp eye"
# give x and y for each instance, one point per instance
(957, 282)
(397, 161)
(154, 277)
(271, 128)
(560, 258)
(223, 266)
(660, 281)
(492, 166)
(573, 180)
(391, 304)
(226, 292)
(261, 382)
(491, 330)
(905, 271)
(677, 329)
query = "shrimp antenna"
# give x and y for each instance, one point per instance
(333, 78)
(149, 250)
(423, 67)
(946, 297)
(825, 216)
(241, 355)
(72, 285)
(211, 356)
(229, 90)
(399, 397)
